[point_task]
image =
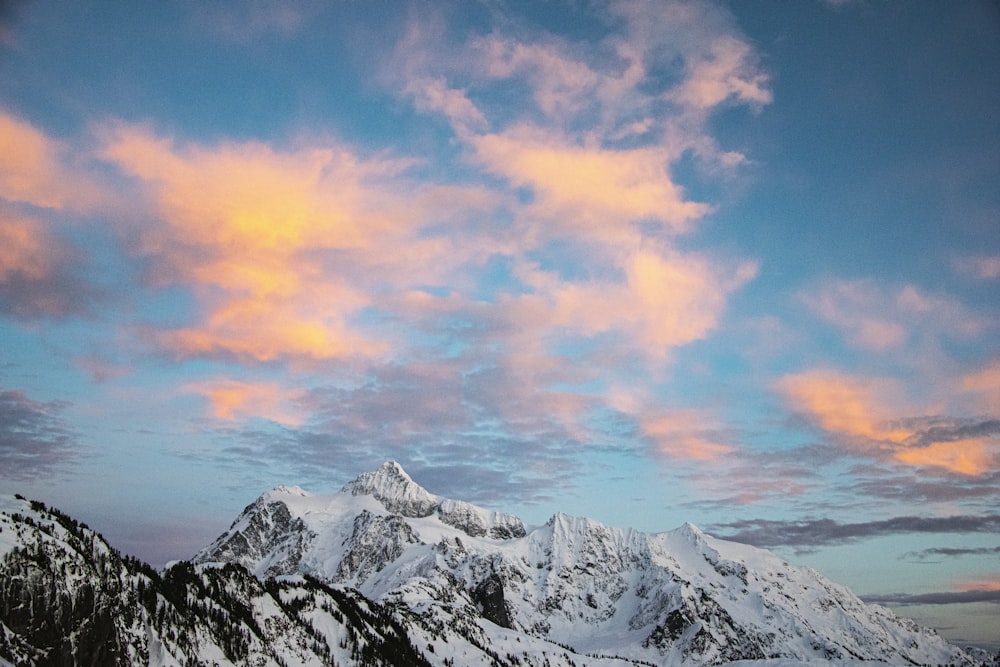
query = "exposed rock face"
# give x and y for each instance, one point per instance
(375, 542)
(269, 529)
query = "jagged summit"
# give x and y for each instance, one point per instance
(395, 489)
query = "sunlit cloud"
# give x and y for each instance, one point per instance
(862, 413)
(589, 191)
(260, 235)
(726, 71)
(34, 169)
(875, 318)
(232, 400)
(981, 388)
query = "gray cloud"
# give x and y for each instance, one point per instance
(823, 532)
(33, 437)
(949, 552)
(948, 597)
(933, 430)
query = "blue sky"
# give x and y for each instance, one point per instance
(734, 264)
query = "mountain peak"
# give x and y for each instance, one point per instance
(391, 486)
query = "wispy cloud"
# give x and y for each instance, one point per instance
(875, 318)
(949, 552)
(948, 597)
(824, 532)
(34, 439)
(980, 267)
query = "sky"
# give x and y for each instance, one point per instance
(649, 262)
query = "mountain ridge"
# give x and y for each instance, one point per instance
(680, 596)
(351, 578)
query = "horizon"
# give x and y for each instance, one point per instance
(723, 263)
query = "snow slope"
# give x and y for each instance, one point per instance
(484, 578)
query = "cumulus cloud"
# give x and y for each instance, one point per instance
(34, 440)
(274, 243)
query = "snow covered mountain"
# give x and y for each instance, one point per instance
(386, 573)
(483, 578)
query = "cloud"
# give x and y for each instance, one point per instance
(267, 239)
(949, 552)
(878, 319)
(858, 412)
(252, 20)
(981, 388)
(34, 441)
(36, 169)
(948, 597)
(587, 190)
(726, 71)
(40, 274)
(231, 399)
(981, 267)
(825, 532)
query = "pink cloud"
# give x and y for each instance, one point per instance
(983, 267)
(725, 71)
(232, 400)
(877, 318)
(667, 299)
(35, 169)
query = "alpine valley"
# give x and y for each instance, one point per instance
(386, 573)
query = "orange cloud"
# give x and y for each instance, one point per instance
(265, 238)
(844, 404)
(683, 435)
(588, 190)
(675, 433)
(231, 400)
(859, 411)
(667, 299)
(982, 387)
(970, 456)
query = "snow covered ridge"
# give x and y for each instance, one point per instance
(680, 597)
(386, 573)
